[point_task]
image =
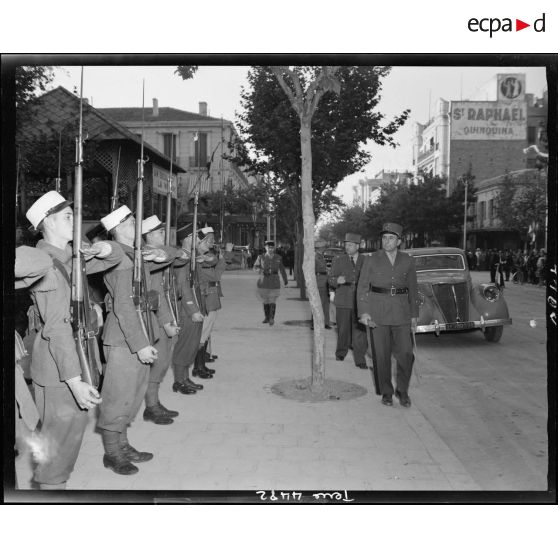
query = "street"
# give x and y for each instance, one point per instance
(488, 401)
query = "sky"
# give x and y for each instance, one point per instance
(415, 88)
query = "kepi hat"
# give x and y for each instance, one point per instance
(116, 217)
(392, 228)
(46, 205)
(207, 230)
(352, 237)
(269, 243)
(151, 224)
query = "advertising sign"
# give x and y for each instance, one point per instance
(488, 120)
(161, 181)
(511, 87)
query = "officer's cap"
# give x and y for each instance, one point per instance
(392, 228)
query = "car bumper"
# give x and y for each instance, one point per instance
(461, 326)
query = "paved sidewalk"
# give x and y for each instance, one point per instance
(236, 435)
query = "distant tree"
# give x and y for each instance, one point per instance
(30, 83)
(350, 219)
(341, 125)
(522, 208)
(186, 72)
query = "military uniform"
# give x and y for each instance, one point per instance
(269, 286)
(350, 333)
(388, 293)
(321, 280)
(126, 377)
(210, 273)
(154, 410)
(188, 342)
(55, 360)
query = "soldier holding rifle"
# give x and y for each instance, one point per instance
(128, 338)
(387, 304)
(190, 318)
(154, 234)
(61, 395)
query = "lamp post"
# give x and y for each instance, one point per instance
(465, 215)
(254, 221)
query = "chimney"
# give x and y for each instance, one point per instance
(203, 108)
(155, 107)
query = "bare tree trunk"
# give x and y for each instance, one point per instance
(308, 264)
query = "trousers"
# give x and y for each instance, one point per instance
(208, 323)
(124, 388)
(159, 368)
(324, 297)
(350, 333)
(61, 433)
(396, 340)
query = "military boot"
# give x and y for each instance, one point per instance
(114, 458)
(266, 312)
(272, 314)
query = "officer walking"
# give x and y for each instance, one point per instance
(270, 265)
(387, 303)
(343, 277)
(62, 398)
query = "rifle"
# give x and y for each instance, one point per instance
(194, 281)
(169, 284)
(114, 197)
(58, 180)
(81, 310)
(139, 282)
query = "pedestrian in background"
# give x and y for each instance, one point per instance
(343, 277)
(387, 303)
(270, 265)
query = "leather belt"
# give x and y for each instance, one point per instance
(213, 283)
(321, 272)
(392, 292)
(266, 273)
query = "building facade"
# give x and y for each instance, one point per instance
(111, 154)
(368, 189)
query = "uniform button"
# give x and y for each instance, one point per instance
(66, 320)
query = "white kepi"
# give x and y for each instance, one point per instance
(116, 217)
(151, 224)
(46, 205)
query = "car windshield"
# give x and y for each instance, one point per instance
(433, 262)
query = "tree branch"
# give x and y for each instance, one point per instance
(297, 103)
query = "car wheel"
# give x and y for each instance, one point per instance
(493, 334)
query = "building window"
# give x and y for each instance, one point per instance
(482, 211)
(168, 140)
(200, 152)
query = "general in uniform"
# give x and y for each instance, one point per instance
(387, 303)
(343, 277)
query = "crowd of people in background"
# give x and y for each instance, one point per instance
(519, 266)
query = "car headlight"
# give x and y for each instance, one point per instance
(491, 293)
